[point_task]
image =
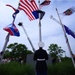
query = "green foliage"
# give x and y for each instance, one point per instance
(7, 54)
(55, 50)
(17, 51)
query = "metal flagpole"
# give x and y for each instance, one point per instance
(65, 37)
(20, 24)
(54, 19)
(3, 50)
(7, 39)
(41, 44)
(40, 37)
(57, 22)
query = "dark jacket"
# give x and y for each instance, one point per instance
(41, 54)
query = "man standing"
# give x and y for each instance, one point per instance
(40, 56)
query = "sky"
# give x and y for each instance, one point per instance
(51, 31)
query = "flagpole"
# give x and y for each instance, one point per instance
(3, 50)
(40, 44)
(66, 38)
(58, 23)
(54, 19)
(20, 24)
(40, 37)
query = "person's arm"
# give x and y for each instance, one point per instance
(46, 56)
(35, 56)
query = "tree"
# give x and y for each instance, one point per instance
(7, 54)
(55, 51)
(18, 51)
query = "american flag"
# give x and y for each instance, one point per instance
(29, 7)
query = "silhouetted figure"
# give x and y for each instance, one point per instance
(73, 56)
(40, 56)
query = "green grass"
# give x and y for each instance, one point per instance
(15, 68)
(63, 68)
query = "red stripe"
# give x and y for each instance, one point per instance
(29, 16)
(34, 5)
(26, 11)
(28, 7)
(25, 5)
(9, 30)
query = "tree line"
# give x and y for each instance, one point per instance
(18, 52)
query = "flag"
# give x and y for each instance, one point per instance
(11, 7)
(12, 29)
(30, 8)
(69, 31)
(69, 11)
(16, 11)
(42, 13)
(44, 3)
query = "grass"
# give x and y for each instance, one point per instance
(63, 68)
(15, 68)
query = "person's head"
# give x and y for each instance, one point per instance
(41, 45)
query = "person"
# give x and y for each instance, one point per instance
(73, 57)
(40, 56)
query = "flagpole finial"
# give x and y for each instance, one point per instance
(20, 23)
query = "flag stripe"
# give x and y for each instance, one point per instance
(9, 30)
(28, 7)
(28, 12)
(34, 5)
(26, 3)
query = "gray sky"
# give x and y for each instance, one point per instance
(51, 31)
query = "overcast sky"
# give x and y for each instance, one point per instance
(51, 31)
